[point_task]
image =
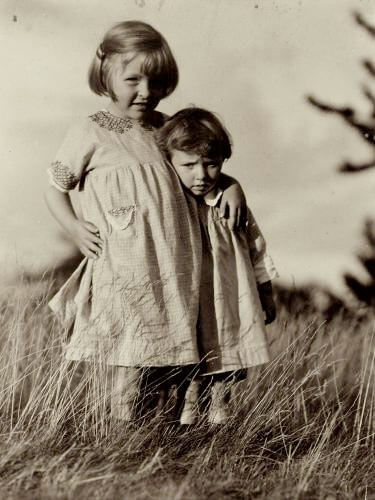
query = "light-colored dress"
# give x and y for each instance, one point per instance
(231, 332)
(137, 304)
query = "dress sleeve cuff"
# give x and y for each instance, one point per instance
(52, 182)
(265, 270)
(61, 177)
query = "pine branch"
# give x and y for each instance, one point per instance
(369, 264)
(370, 97)
(369, 66)
(369, 233)
(366, 131)
(350, 168)
(364, 293)
(364, 24)
(327, 108)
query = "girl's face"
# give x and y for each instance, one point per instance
(198, 174)
(135, 95)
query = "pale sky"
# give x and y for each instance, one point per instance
(251, 61)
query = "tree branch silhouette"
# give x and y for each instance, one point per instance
(369, 66)
(349, 168)
(370, 97)
(365, 128)
(364, 291)
(359, 19)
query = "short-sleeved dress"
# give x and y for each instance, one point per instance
(231, 329)
(137, 304)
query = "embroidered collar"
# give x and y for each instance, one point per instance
(107, 120)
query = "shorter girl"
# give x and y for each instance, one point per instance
(235, 292)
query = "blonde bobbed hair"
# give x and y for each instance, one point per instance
(128, 39)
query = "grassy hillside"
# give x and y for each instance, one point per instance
(302, 426)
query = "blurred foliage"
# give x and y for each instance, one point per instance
(365, 127)
(365, 292)
(319, 304)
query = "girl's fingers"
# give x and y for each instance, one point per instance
(97, 240)
(93, 237)
(270, 316)
(88, 253)
(94, 248)
(91, 227)
(91, 255)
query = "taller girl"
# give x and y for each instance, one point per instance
(134, 298)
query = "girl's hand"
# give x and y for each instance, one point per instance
(269, 309)
(233, 203)
(86, 236)
(266, 299)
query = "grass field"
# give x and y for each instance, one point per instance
(303, 426)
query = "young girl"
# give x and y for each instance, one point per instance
(235, 292)
(134, 298)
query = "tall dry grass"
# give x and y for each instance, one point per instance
(303, 426)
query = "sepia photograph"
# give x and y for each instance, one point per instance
(187, 260)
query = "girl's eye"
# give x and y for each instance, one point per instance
(132, 79)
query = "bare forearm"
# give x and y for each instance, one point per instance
(266, 299)
(265, 288)
(84, 233)
(61, 208)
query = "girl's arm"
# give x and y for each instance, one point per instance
(264, 268)
(266, 299)
(233, 203)
(83, 233)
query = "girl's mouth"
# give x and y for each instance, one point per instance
(201, 187)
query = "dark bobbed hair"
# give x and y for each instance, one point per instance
(195, 130)
(128, 39)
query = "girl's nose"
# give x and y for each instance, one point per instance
(200, 172)
(144, 88)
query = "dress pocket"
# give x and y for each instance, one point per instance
(122, 218)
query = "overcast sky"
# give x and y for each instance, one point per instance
(251, 61)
